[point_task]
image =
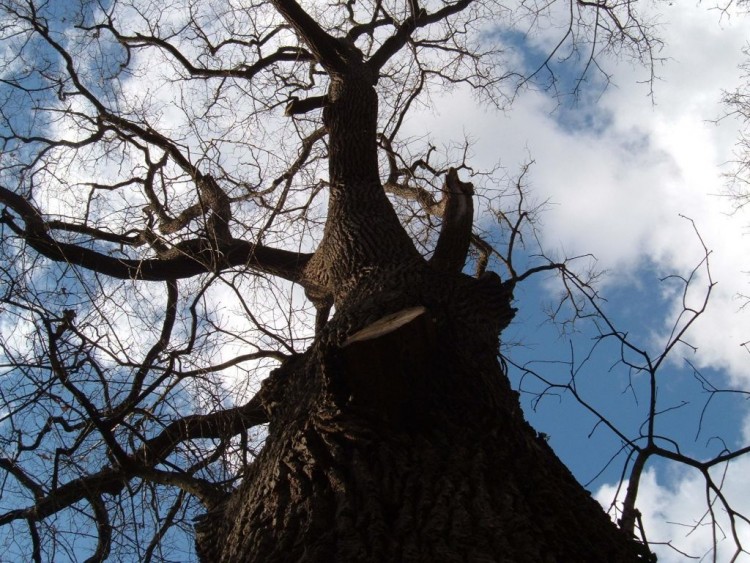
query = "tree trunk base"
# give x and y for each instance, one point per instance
(407, 444)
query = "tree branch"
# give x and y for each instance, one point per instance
(458, 218)
(111, 480)
(330, 52)
(283, 54)
(282, 263)
(295, 106)
(103, 528)
(419, 18)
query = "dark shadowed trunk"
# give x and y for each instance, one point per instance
(404, 442)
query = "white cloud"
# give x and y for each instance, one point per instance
(621, 177)
(619, 180)
(673, 507)
(619, 186)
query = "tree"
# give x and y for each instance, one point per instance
(161, 159)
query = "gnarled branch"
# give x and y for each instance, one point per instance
(111, 480)
(455, 232)
(184, 264)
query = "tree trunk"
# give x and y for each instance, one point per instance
(404, 442)
(427, 458)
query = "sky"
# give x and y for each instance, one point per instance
(635, 177)
(632, 176)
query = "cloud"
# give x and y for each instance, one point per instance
(619, 172)
(674, 511)
(622, 170)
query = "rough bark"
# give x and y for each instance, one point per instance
(443, 469)
(411, 448)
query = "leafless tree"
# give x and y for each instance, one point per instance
(199, 196)
(651, 436)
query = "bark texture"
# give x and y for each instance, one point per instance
(409, 447)
(443, 469)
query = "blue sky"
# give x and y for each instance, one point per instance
(618, 167)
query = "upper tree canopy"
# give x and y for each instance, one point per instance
(233, 152)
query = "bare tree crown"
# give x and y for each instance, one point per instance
(183, 189)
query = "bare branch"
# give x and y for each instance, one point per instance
(188, 263)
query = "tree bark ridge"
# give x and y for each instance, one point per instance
(449, 472)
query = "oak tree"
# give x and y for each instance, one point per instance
(200, 195)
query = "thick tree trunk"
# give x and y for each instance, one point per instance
(413, 451)
(404, 443)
